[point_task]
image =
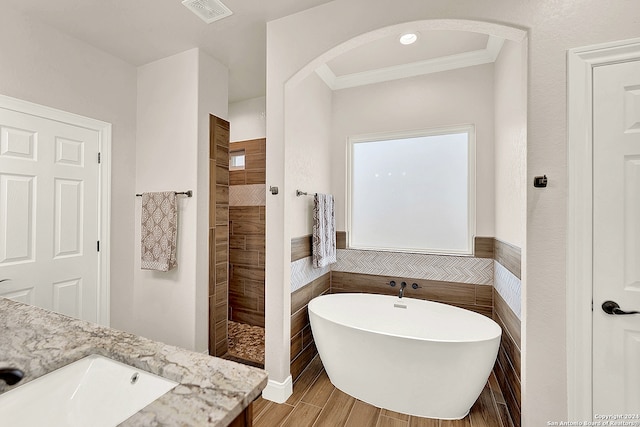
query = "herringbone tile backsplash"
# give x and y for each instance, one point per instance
(248, 195)
(303, 272)
(471, 270)
(509, 288)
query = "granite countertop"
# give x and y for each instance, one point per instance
(212, 391)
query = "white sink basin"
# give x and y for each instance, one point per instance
(95, 391)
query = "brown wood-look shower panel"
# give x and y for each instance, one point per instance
(218, 234)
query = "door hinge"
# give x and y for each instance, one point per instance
(99, 157)
(98, 245)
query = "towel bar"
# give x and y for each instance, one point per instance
(187, 193)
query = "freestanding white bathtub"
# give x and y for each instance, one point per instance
(411, 356)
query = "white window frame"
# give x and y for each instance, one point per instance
(241, 152)
(471, 193)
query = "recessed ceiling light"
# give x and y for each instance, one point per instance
(408, 38)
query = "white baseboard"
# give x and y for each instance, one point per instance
(278, 392)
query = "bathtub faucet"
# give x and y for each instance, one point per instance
(402, 286)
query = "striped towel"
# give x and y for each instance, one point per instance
(324, 231)
(159, 230)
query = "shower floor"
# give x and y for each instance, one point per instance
(246, 344)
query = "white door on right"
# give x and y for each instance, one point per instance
(616, 241)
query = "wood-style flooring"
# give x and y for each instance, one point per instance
(316, 402)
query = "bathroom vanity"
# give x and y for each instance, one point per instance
(210, 391)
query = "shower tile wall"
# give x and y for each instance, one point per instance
(218, 234)
(247, 200)
(246, 261)
(254, 172)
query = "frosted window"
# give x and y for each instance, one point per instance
(413, 194)
(236, 160)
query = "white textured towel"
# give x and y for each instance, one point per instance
(159, 230)
(324, 231)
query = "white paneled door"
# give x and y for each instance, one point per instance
(616, 240)
(49, 213)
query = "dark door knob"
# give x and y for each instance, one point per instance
(612, 307)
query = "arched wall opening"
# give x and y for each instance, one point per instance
(314, 161)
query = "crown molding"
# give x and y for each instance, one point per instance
(327, 75)
(435, 65)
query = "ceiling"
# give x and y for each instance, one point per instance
(387, 51)
(142, 31)
(386, 59)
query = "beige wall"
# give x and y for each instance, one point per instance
(308, 164)
(553, 27)
(172, 141)
(248, 119)
(510, 148)
(213, 98)
(41, 65)
(463, 96)
(165, 156)
(307, 169)
(510, 144)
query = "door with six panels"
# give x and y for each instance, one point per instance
(616, 241)
(49, 207)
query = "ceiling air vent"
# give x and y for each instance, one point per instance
(208, 10)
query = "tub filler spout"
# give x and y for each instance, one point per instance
(402, 286)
